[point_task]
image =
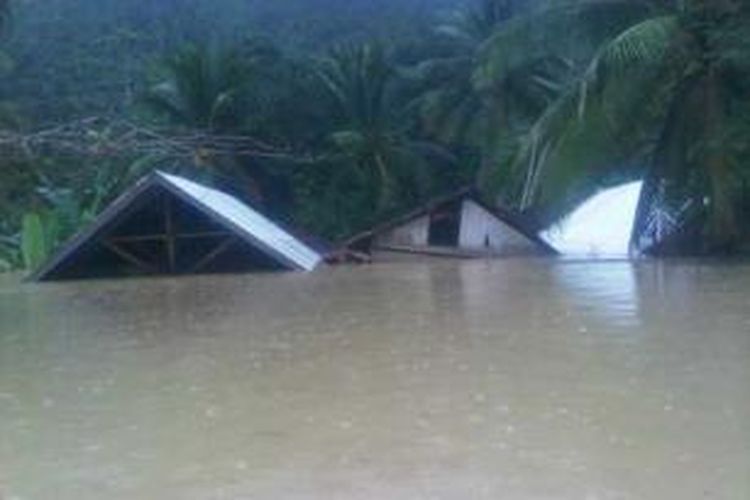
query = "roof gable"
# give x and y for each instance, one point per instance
(512, 219)
(240, 216)
(251, 234)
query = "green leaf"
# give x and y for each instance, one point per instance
(34, 245)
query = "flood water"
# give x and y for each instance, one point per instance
(447, 380)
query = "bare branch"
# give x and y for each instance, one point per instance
(101, 137)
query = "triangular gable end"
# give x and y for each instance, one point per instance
(169, 225)
(502, 229)
(461, 221)
(255, 227)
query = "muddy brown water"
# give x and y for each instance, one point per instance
(439, 380)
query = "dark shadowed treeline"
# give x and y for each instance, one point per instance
(74, 56)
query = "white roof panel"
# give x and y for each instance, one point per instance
(600, 227)
(244, 218)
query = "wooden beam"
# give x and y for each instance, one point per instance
(129, 257)
(163, 237)
(170, 230)
(138, 239)
(207, 234)
(211, 256)
(434, 251)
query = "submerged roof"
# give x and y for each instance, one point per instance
(228, 212)
(256, 226)
(510, 217)
(601, 227)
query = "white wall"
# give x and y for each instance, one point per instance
(481, 230)
(414, 234)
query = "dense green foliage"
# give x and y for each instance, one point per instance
(336, 114)
(660, 92)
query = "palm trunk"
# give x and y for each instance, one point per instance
(385, 182)
(723, 221)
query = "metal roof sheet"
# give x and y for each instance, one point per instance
(244, 218)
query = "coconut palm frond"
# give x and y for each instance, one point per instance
(200, 89)
(370, 135)
(565, 27)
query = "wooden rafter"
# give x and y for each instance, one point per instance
(163, 237)
(129, 257)
(170, 233)
(222, 247)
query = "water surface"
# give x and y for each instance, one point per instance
(442, 380)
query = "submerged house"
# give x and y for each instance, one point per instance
(460, 225)
(166, 224)
(601, 227)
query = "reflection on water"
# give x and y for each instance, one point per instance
(604, 292)
(505, 379)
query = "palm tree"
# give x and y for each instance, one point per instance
(660, 95)
(202, 89)
(216, 92)
(371, 130)
(460, 109)
(4, 14)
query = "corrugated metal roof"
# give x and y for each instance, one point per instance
(248, 220)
